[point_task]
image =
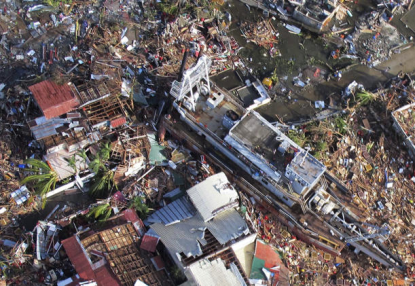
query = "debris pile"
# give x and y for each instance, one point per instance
(363, 150)
(262, 34)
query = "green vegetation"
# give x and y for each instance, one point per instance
(274, 76)
(66, 5)
(369, 146)
(105, 151)
(82, 153)
(321, 146)
(319, 149)
(103, 183)
(177, 275)
(72, 163)
(341, 125)
(139, 205)
(169, 7)
(365, 97)
(97, 164)
(100, 212)
(44, 180)
(298, 137)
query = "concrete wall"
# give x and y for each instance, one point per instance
(244, 242)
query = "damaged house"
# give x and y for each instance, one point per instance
(74, 118)
(112, 257)
(203, 226)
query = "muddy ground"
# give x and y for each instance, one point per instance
(300, 53)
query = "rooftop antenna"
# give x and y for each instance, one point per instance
(306, 153)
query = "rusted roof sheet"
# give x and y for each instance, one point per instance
(158, 262)
(105, 277)
(130, 215)
(150, 241)
(53, 99)
(118, 122)
(78, 258)
(102, 275)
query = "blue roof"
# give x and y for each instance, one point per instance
(174, 212)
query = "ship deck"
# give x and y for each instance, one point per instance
(211, 118)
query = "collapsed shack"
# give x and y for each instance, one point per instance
(262, 34)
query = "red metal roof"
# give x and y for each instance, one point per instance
(130, 215)
(117, 122)
(272, 260)
(149, 243)
(103, 275)
(265, 252)
(158, 262)
(53, 99)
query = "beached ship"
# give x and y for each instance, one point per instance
(297, 181)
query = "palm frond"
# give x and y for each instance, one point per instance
(38, 177)
(72, 163)
(365, 97)
(44, 180)
(102, 183)
(82, 153)
(105, 151)
(138, 203)
(38, 164)
(97, 164)
(101, 211)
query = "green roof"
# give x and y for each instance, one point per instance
(157, 151)
(256, 270)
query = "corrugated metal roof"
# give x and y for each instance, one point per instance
(174, 212)
(227, 225)
(212, 195)
(78, 258)
(150, 241)
(46, 128)
(130, 215)
(105, 276)
(118, 122)
(158, 262)
(214, 272)
(53, 99)
(102, 275)
(186, 236)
